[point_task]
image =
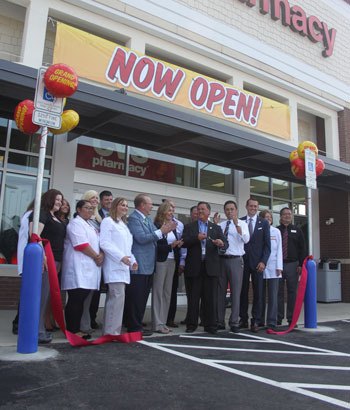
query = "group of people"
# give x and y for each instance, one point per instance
(132, 254)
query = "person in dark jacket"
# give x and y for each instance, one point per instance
(294, 253)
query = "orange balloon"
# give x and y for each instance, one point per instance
(23, 117)
(61, 80)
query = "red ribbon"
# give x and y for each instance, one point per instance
(299, 300)
(57, 310)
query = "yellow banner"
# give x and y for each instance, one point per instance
(105, 62)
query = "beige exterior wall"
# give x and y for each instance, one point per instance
(11, 32)
(249, 20)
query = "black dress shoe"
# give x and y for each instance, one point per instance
(146, 332)
(254, 328)
(243, 325)
(211, 330)
(235, 329)
(279, 322)
(183, 322)
(171, 323)
(221, 327)
(190, 329)
(201, 324)
(272, 327)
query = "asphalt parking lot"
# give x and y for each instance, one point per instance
(300, 370)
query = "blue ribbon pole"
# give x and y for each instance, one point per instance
(310, 300)
(29, 306)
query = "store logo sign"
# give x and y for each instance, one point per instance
(296, 19)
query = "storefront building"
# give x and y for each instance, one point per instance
(182, 99)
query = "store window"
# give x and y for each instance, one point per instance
(26, 163)
(3, 131)
(162, 167)
(275, 194)
(28, 143)
(103, 156)
(18, 181)
(215, 178)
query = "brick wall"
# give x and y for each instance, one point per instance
(249, 20)
(11, 32)
(9, 292)
(344, 135)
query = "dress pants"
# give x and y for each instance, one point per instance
(74, 308)
(272, 301)
(161, 292)
(114, 306)
(231, 271)
(244, 303)
(85, 324)
(290, 276)
(173, 299)
(205, 287)
(258, 297)
(45, 296)
(136, 295)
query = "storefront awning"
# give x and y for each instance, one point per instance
(138, 121)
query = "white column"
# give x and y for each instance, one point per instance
(34, 33)
(63, 167)
(294, 133)
(332, 136)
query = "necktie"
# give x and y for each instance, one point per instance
(285, 243)
(250, 226)
(226, 228)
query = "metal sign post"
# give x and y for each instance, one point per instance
(310, 300)
(47, 113)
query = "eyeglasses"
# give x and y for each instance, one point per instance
(88, 208)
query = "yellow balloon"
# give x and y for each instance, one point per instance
(70, 119)
(304, 145)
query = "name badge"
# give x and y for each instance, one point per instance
(203, 250)
(259, 228)
(293, 231)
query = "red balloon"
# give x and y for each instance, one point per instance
(320, 166)
(23, 117)
(61, 80)
(298, 168)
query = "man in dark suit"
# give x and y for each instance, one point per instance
(257, 252)
(106, 199)
(294, 253)
(202, 239)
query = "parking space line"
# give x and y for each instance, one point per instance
(286, 386)
(234, 349)
(321, 386)
(268, 340)
(297, 366)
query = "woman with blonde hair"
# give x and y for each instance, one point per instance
(91, 303)
(168, 253)
(116, 242)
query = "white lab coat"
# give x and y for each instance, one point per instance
(78, 269)
(116, 242)
(275, 260)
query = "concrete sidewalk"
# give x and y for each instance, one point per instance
(326, 312)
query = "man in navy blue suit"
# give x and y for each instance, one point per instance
(257, 252)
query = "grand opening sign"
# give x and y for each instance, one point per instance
(105, 62)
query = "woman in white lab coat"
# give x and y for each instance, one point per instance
(116, 242)
(81, 269)
(273, 271)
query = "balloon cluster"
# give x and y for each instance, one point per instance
(61, 81)
(297, 160)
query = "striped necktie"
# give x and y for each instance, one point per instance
(250, 226)
(285, 243)
(226, 228)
